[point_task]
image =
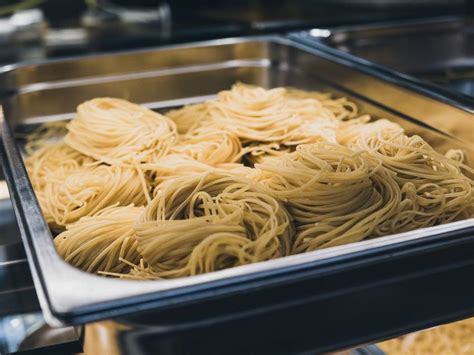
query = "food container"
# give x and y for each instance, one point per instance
(434, 55)
(318, 289)
(17, 292)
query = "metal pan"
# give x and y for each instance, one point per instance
(17, 293)
(435, 55)
(181, 74)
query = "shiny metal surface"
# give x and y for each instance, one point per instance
(176, 75)
(108, 337)
(28, 333)
(437, 54)
(17, 293)
(22, 326)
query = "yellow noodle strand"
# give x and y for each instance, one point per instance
(114, 130)
(100, 242)
(335, 195)
(209, 145)
(210, 221)
(450, 339)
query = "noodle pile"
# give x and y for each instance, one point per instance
(336, 196)
(69, 185)
(434, 189)
(209, 145)
(256, 114)
(210, 221)
(100, 242)
(251, 176)
(450, 339)
(118, 130)
(190, 117)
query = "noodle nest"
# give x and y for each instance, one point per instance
(69, 185)
(100, 242)
(449, 339)
(115, 130)
(206, 222)
(336, 196)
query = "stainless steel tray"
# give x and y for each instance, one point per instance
(181, 74)
(17, 293)
(435, 55)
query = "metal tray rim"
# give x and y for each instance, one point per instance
(7, 68)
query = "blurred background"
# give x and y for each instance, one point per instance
(36, 29)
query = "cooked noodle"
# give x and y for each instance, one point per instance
(114, 130)
(257, 114)
(335, 195)
(175, 165)
(205, 222)
(209, 145)
(449, 339)
(434, 189)
(257, 152)
(99, 242)
(69, 185)
(190, 117)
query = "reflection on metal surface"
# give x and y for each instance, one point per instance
(14, 329)
(21, 36)
(29, 331)
(4, 190)
(65, 37)
(316, 32)
(9, 233)
(199, 70)
(437, 51)
(43, 335)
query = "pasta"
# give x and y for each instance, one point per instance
(434, 189)
(340, 109)
(99, 242)
(91, 189)
(256, 114)
(205, 222)
(114, 130)
(449, 339)
(70, 185)
(209, 145)
(48, 167)
(175, 165)
(190, 117)
(253, 175)
(335, 195)
(53, 161)
(257, 152)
